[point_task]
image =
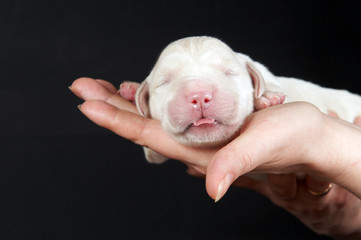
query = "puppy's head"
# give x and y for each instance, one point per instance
(200, 90)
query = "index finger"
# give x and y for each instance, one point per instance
(91, 89)
(143, 131)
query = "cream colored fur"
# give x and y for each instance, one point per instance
(208, 63)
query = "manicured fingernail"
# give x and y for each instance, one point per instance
(79, 107)
(223, 186)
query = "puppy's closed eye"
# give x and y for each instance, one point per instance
(227, 67)
(230, 72)
(164, 78)
(163, 82)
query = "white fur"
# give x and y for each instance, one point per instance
(195, 63)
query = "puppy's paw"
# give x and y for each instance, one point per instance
(153, 156)
(128, 90)
(269, 99)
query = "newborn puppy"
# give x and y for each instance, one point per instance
(202, 91)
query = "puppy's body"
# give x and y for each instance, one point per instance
(345, 104)
(202, 92)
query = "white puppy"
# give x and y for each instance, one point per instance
(202, 91)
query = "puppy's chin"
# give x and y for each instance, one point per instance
(207, 135)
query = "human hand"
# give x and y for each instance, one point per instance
(249, 152)
(103, 106)
(106, 108)
(335, 213)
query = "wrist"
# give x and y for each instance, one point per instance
(339, 158)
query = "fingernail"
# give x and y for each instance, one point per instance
(79, 107)
(223, 186)
(70, 88)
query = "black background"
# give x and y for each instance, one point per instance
(63, 177)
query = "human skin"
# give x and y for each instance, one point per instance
(278, 141)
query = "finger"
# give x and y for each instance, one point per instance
(283, 186)
(264, 138)
(357, 121)
(315, 185)
(194, 172)
(123, 123)
(230, 162)
(110, 87)
(259, 186)
(143, 131)
(90, 89)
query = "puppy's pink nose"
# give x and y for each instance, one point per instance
(200, 100)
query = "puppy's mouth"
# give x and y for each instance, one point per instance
(202, 125)
(206, 131)
(204, 122)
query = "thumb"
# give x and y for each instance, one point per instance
(239, 157)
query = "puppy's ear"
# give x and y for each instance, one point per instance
(141, 99)
(257, 80)
(263, 98)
